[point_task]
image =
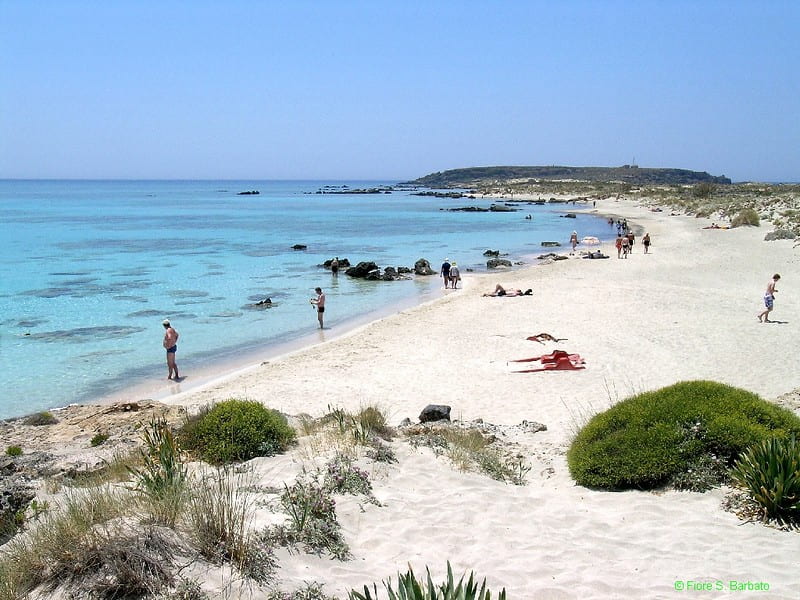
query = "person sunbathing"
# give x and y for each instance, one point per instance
(545, 337)
(499, 290)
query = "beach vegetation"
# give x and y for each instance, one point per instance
(342, 476)
(769, 472)
(14, 451)
(346, 432)
(53, 550)
(162, 478)
(409, 587)
(220, 513)
(312, 590)
(704, 189)
(98, 439)
(236, 430)
(41, 418)
(746, 216)
(117, 469)
(312, 521)
(648, 439)
(470, 450)
(186, 589)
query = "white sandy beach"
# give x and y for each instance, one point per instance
(685, 311)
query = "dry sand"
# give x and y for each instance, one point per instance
(685, 311)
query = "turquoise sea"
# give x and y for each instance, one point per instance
(90, 268)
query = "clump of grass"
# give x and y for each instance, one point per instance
(408, 587)
(236, 430)
(98, 439)
(219, 516)
(14, 451)
(770, 473)
(58, 540)
(116, 470)
(311, 591)
(162, 480)
(470, 450)
(311, 521)
(747, 216)
(645, 440)
(41, 418)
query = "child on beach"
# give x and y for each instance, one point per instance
(769, 299)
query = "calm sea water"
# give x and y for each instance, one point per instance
(90, 268)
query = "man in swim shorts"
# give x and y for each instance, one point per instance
(445, 272)
(171, 345)
(319, 302)
(769, 299)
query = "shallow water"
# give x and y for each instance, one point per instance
(90, 268)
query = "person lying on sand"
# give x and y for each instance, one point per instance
(545, 337)
(499, 290)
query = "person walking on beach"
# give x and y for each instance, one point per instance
(445, 272)
(573, 239)
(626, 246)
(646, 242)
(769, 299)
(171, 346)
(335, 266)
(455, 275)
(618, 245)
(319, 302)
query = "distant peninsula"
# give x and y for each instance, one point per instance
(473, 177)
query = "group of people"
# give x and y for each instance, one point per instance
(450, 274)
(624, 243)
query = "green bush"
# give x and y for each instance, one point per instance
(651, 438)
(41, 418)
(14, 451)
(770, 472)
(410, 588)
(98, 439)
(236, 430)
(747, 216)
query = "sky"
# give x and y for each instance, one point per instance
(394, 90)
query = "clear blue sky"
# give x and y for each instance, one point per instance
(298, 89)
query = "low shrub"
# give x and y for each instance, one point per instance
(14, 451)
(98, 439)
(311, 521)
(41, 418)
(408, 587)
(646, 440)
(747, 216)
(770, 473)
(236, 430)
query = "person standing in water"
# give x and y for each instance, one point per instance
(319, 302)
(171, 346)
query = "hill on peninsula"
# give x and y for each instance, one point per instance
(632, 174)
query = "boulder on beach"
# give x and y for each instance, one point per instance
(362, 269)
(423, 267)
(494, 263)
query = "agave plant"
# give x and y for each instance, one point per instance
(410, 588)
(770, 472)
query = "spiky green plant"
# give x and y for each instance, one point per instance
(408, 587)
(162, 480)
(770, 472)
